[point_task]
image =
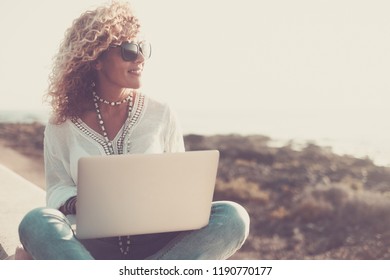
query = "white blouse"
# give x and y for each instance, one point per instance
(153, 128)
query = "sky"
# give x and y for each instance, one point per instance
(316, 65)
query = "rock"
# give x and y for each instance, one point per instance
(17, 197)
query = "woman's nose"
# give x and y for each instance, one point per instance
(140, 58)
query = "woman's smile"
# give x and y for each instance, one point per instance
(137, 71)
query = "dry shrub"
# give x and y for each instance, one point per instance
(339, 221)
(344, 206)
(240, 189)
(279, 213)
(354, 183)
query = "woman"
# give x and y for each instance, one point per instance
(98, 110)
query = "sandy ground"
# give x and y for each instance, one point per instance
(29, 168)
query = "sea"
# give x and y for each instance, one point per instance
(281, 131)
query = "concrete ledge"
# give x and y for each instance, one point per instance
(17, 197)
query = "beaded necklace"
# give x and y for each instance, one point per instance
(111, 103)
(110, 150)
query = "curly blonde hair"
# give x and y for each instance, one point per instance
(73, 74)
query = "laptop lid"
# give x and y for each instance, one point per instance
(144, 193)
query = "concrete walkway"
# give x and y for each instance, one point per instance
(17, 197)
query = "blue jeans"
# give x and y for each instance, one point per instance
(47, 235)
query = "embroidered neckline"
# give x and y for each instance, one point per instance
(139, 103)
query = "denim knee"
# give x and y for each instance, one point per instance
(47, 235)
(35, 221)
(236, 218)
(29, 219)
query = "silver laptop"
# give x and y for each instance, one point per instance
(144, 193)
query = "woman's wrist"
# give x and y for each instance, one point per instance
(69, 207)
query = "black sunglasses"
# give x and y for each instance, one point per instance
(131, 50)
